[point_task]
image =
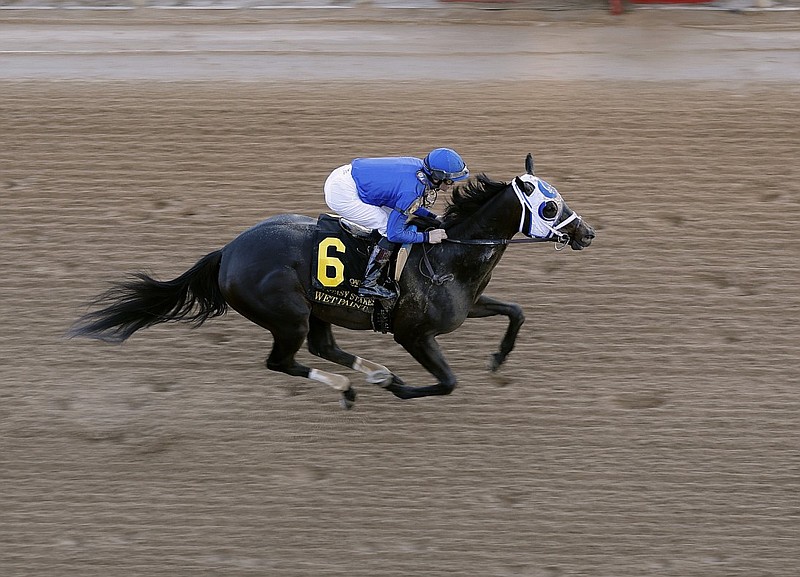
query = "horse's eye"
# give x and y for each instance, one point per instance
(548, 210)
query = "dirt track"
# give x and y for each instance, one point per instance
(646, 424)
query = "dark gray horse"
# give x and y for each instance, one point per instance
(265, 275)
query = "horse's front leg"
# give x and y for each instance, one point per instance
(426, 352)
(489, 307)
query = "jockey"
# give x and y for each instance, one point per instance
(382, 193)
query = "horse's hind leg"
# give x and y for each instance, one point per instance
(281, 359)
(322, 344)
(288, 333)
(277, 303)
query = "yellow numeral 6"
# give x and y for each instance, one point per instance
(327, 264)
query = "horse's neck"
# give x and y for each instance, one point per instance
(473, 264)
(497, 219)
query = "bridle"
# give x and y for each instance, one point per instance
(555, 234)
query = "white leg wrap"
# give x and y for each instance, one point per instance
(367, 367)
(338, 382)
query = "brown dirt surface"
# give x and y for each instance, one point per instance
(646, 423)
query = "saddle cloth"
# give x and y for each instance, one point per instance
(338, 264)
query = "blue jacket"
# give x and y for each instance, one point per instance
(396, 183)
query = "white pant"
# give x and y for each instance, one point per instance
(341, 196)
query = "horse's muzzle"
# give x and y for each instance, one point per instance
(582, 241)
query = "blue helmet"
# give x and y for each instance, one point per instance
(445, 164)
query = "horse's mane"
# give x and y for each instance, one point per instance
(468, 198)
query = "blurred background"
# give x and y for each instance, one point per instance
(616, 6)
(645, 424)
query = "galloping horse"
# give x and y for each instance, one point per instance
(265, 275)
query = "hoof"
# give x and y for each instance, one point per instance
(348, 399)
(495, 361)
(382, 378)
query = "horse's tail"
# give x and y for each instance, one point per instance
(141, 302)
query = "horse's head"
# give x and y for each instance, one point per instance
(546, 215)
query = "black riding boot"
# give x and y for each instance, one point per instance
(371, 286)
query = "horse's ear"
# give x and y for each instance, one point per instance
(528, 187)
(529, 164)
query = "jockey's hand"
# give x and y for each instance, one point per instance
(436, 235)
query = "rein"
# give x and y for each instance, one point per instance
(498, 241)
(439, 280)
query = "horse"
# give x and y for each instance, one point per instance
(264, 274)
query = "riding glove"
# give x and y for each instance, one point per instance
(436, 235)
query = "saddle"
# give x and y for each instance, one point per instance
(356, 230)
(341, 249)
